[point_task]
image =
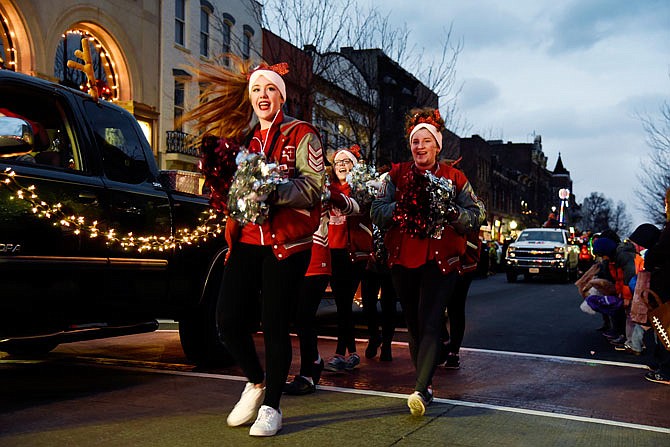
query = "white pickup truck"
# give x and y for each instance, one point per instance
(542, 251)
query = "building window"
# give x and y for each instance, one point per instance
(246, 41)
(180, 22)
(227, 29)
(204, 31)
(105, 82)
(178, 104)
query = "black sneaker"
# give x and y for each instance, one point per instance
(299, 387)
(619, 341)
(386, 355)
(658, 377)
(352, 362)
(452, 362)
(335, 364)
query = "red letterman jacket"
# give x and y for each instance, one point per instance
(295, 206)
(411, 251)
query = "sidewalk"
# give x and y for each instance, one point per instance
(499, 399)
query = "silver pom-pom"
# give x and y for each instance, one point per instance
(254, 181)
(364, 183)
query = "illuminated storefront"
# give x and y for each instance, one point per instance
(7, 50)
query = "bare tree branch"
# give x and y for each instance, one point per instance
(654, 178)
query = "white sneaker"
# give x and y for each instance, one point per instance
(417, 404)
(245, 409)
(268, 422)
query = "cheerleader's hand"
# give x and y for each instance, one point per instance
(374, 184)
(452, 214)
(253, 197)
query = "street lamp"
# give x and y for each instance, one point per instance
(564, 195)
(512, 227)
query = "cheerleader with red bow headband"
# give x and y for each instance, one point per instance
(244, 105)
(424, 254)
(350, 240)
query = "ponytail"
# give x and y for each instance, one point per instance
(224, 110)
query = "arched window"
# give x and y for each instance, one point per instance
(180, 22)
(7, 50)
(103, 66)
(246, 41)
(206, 9)
(227, 32)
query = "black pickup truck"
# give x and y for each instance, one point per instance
(95, 241)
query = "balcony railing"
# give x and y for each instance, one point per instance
(179, 142)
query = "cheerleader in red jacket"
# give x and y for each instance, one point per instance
(350, 239)
(267, 261)
(425, 268)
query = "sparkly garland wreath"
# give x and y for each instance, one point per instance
(364, 183)
(254, 181)
(219, 163)
(426, 206)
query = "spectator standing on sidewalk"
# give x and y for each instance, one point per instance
(424, 264)
(644, 236)
(267, 261)
(350, 239)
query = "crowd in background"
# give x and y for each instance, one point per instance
(626, 285)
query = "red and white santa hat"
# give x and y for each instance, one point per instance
(430, 128)
(272, 73)
(351, 153)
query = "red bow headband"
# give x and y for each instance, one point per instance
(280, 68)
(418, 118)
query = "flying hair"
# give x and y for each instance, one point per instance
(223, 109)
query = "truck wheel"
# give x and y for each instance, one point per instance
(28, 348)
(200, 332)
(511, 276)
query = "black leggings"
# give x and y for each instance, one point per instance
(372, 283)
(254, 275)
(307, 305)
(456, 313)
(344, 282)
(424, 293)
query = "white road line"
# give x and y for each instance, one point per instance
(501, 408)
(527, 355)
(509, 353)
(404, 397)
